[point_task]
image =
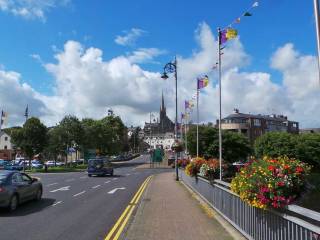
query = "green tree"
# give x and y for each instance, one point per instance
(308, 148)
(275, 144)
(70, 133)
(235, 146)
(55, 145)
(32, 138)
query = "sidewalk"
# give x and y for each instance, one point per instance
(168, 211)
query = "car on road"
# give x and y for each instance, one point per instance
(49, 163)
(16, 188)
(100, 167)
(13, 166)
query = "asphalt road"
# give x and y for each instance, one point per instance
(75, 206)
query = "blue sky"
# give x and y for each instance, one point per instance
(169, 25)
(35, 34)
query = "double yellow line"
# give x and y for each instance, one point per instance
(117, 229)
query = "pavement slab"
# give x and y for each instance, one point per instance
(168, 211)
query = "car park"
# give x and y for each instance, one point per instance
(13, 166)
(3, 163)
(16, 188)
(100, 167)
(50, 163)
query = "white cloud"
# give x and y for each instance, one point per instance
(15, 95)
(86, 85)
(130, 37)
(31, 9)
(145, 55)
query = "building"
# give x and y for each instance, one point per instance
(310, 130)
(160, 133)
(6, 147)
(254, 126)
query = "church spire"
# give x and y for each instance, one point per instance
(162, 103)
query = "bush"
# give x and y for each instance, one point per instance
(270, 182)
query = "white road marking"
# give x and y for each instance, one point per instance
(66, 188)
(128, 174)
(107, 181)
(114, 178)
(96, 186)
(70, 180)
(79, 193)
(116, 189)
(51, 184)
(56, 203)
(83, 177)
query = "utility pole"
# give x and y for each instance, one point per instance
(317, 19)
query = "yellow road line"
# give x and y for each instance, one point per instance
(129, 209)
(129, 214)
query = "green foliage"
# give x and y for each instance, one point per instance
(32, 138)
(235, 146)
(305, 147)
(276, 144)
(108, 135)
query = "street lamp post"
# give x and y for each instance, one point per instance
(171, 67)
(317, 19)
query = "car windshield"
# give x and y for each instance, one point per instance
(95, 163)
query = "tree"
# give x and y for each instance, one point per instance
(235, 146)
(32, 138)
(55, 145)
(308, 148)
(276, 144)
(70, 133)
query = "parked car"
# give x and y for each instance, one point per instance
(16, 188)
(49, 163)
(3, 163)
(36, 164)
(13, 167)
(100, 167)
(59, 164)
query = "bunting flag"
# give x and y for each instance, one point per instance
(186, 104)
(194, 96)
(231, 33)
(182, 116)
(227, 34)
(203, 81)
(247, 13)
(255, 4)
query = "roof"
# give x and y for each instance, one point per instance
(258, 116)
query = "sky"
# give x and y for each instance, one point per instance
(84, 57)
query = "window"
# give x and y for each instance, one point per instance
(16, 178)
(6, 138)
(256, 122)
(26, 178)
(5, 147)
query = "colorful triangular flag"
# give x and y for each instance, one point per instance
(247, 14)
(255, 4)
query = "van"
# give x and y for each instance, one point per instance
(99, 167)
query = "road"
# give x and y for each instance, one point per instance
(75, 206)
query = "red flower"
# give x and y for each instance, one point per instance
(299, 169)
(271, 168)
(281, 184)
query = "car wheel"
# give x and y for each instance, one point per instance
(89, 175)
(39, 195)
(111, 174)
(13, 203)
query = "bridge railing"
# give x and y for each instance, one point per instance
(292, 223)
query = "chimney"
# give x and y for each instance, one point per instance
(235, 110)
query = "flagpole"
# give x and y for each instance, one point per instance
(317, 19)
(185, 130)
(1, 120)
(197, 120)
(220, 133)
